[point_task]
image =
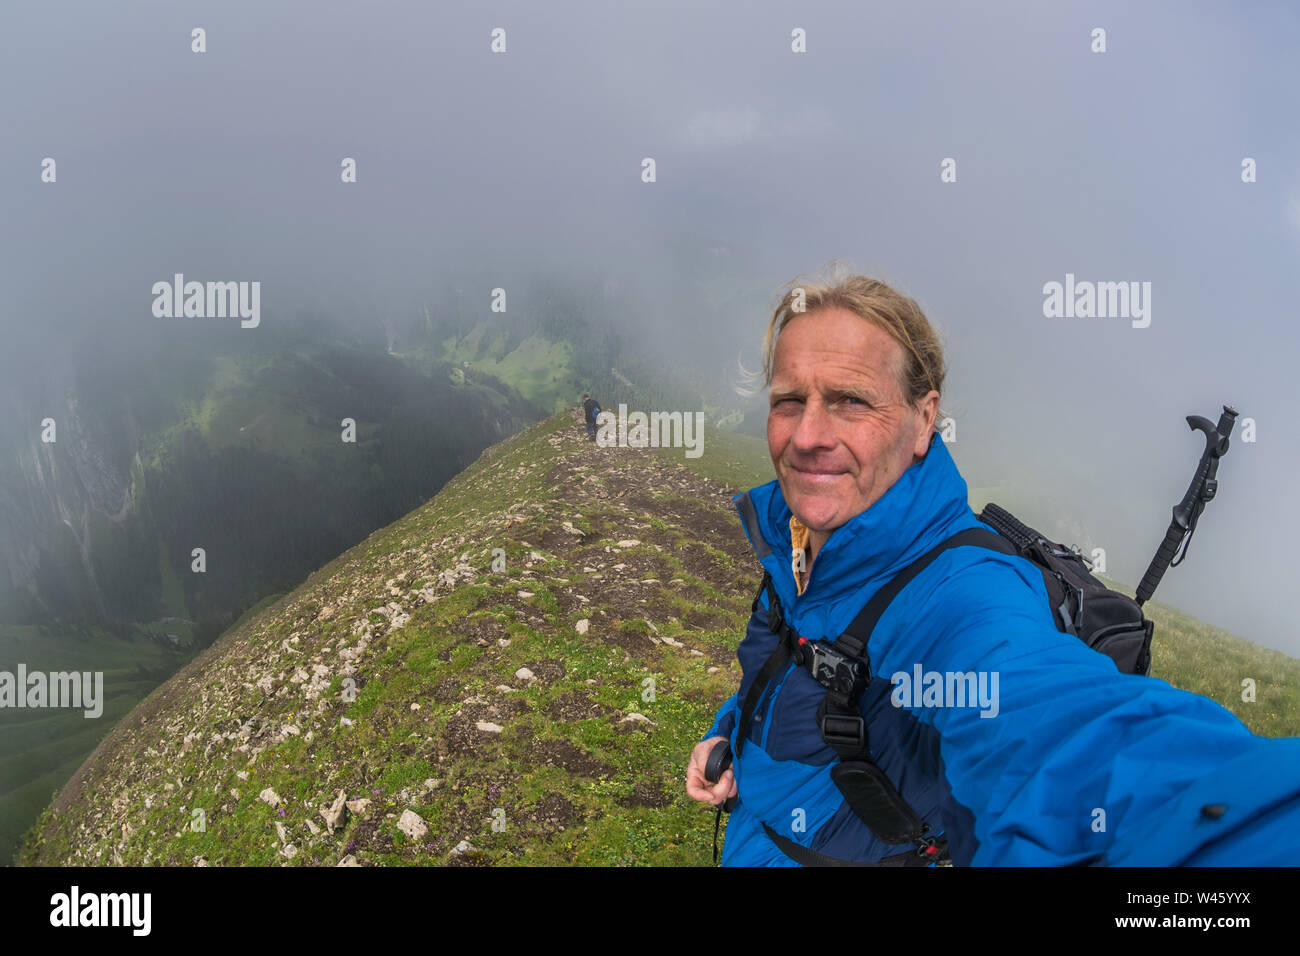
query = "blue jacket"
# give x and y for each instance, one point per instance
(1079, 764)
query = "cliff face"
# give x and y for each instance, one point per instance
(513, 672)
(224, 452)
(52, 491)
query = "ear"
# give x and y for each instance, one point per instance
(927, 411)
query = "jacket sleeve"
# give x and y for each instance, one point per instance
(725, 721)
(1074, 762)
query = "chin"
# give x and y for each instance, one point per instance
(814, 513)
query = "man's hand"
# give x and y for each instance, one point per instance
(699, 788)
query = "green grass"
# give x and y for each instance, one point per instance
(538, 369)
(40, 749)
(730, 458)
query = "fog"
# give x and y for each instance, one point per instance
(479, 169)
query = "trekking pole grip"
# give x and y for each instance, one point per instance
(1160, 563)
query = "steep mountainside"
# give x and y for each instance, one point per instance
(238, 452)
(410, 704)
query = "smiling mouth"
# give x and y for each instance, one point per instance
(817, 472)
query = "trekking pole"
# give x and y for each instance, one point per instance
(716, 765)
(1186, 512)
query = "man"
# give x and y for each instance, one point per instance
(590, 409)
(1076, 762)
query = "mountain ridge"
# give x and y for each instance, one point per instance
(443, 631)
(538, 713)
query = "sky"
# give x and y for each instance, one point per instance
(1115, 166)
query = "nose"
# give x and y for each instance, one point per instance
(814, 430)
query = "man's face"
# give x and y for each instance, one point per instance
(839, 430)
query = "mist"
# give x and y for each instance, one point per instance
(479, 169)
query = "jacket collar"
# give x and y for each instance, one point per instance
(927, 504)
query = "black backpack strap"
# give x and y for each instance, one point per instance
(775, 663)
(843, 667)
(933, 853)
(866, 621)
(867, 790)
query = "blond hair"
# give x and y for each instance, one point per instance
(923, 368)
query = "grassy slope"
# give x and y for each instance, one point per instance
(268, 400)
(650, 558)
(574, 780)
(539, 369)
(40, 749)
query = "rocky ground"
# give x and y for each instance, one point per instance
(515, 672)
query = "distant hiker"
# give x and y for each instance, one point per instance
(1069, 762)
(590, 410)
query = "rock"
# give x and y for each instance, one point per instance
(281, 832)
(525, 594)
(525, 674)
(628, 543)
(415, 707)
(333, 816)
(505, 689)
(290, 729)
(411, 824)
(268, 796)
(463, 847)
(432, 784)
(345, 721)
(360, 806)
(711, 670)
(637, 719)
(311, 825)
(488, 727)
(349, 860)
(581, 626)
(290, 850)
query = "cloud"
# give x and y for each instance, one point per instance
(720, 129)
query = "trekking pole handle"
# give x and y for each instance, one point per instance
(1160, 563)
(1201, 490)
(717, 764)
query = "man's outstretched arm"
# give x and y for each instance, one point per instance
(1076, 762)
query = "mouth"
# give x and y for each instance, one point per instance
(817, 474)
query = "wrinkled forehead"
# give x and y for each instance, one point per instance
(842, 350)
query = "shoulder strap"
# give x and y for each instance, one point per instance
(871, 795)
(862, 625)
(775, 663)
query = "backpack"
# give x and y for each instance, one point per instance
(1106, 620)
